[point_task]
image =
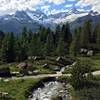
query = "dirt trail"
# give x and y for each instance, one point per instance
(49, 75)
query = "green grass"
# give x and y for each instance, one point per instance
(67, 71)
(87, 93)
(12, 66)
(37, 65)
(95, 62)
(17, 88)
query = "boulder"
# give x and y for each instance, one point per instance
(35, 72)
(83, 51)
(46, 65)
(22, 65)
(64, 61)
(38, 58)
(30, 57)
(29, 65)
(90, 53)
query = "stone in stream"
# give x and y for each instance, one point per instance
(51, 89)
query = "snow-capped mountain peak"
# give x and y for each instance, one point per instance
(33, 18)
(36, 15)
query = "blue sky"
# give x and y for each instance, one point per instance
(48, 6)
(52, 7)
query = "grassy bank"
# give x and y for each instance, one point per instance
(16, 88)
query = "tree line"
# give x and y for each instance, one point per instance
(42, 43)
(87, 37)
(46, 42)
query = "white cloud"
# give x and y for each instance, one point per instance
(56, 1)
(94, 3)
(10, 6)
(70, 5)
(71, 0)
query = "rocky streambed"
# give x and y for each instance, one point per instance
(50, 90)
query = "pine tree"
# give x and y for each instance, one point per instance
(67, 37)
(66, 33)
(97, 34)
(35, 48)
(21, 51)
(22, 44)
(29, 35)
(75, 44)
(1, 37)
(86, 34)
(43, 32)
(49, 45)
(57, 35)
(8, 48)
(60, 48)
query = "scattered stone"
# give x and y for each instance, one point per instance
(6, 80)
(90, 53)
(24, 65)
(29, 65)
(15, 72)
(64, 61)
(83, 50)
(35, 72)
(45, 65)
(30, 72)
(30, 57)
(4, 93)
(38, 58)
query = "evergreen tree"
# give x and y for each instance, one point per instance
(21, 51)
(24, 33)
(1, 37)
(67, 37)
(74, 44)
(49, 45)
(8, 48)
(60, 48)
(43, 33)
(57, 35)
(86, 34)
(78, 73)
(35, 46)
(29, 35)
(66, 33)
(96, 35)
(22, 45)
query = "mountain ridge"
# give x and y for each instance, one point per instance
(33, 19)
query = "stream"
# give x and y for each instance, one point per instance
(50, 90)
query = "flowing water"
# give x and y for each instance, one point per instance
(50, 89)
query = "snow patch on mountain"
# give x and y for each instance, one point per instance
(69, 18)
